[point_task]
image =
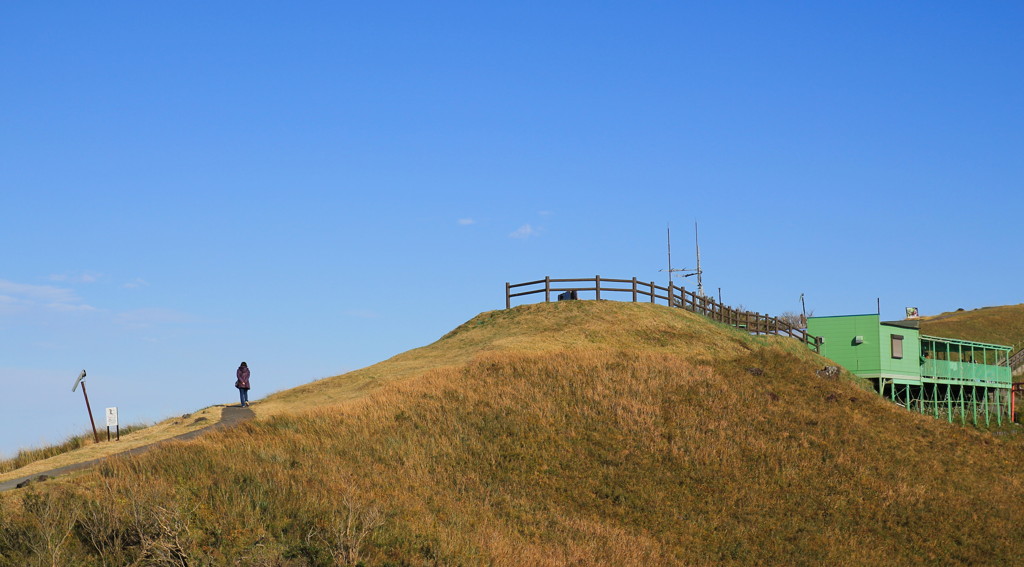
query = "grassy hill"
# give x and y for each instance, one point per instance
(1003, 325)
(583, 433)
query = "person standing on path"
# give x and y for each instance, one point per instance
(242, 383)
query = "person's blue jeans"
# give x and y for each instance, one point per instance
(243, 394)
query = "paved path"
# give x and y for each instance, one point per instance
(229, 416)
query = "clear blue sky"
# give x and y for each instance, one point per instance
(314, 187)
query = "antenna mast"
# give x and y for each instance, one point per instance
(700, 281)
(685, 272)
(668, 233)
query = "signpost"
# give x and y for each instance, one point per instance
(81, 380)
(112, 421)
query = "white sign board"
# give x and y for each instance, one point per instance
(111, 417)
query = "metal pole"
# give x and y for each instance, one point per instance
(668, 232)
(1013, 404)
(700, 273)
(95, 435)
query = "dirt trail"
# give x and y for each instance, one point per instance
(230, 416)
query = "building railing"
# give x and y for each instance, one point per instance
(966, 372)
(1017, 362)
(672, 295)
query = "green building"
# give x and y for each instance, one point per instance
(951, 378)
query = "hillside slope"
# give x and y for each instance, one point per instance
(532, 328)
(1003, 325)
(584, 433)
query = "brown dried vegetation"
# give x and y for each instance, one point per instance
(580, 434)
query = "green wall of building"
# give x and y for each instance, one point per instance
(956, 379)
(873, 357)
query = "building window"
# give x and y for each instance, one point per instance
(897, 346)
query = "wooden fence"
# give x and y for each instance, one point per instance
(1016, 363)
(673, 295)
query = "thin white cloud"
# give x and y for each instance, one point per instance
(38, 293)
(135, 284)
(466, 222)
(362, 314)
(525, 231)
(68, 307)
(79, 277)
(150, 317)
(12, 300)
(17, 297)
(9, 305)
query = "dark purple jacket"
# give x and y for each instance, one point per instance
(243, 377)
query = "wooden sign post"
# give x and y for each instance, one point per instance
(81, 380)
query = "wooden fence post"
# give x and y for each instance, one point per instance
(508, 295)
(597, 286)
(634, 289)
(547, 289)
(670, 286)
(652, 292)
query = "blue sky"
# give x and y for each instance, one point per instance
(314, 187)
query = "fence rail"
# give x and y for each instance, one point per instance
(672, 295)
(1017, 362)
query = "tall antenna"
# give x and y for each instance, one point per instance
(684, 272)
(668, 233)
(700, 281)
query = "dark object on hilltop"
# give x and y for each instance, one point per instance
(568, 295)
(28, 481)
(828, 372)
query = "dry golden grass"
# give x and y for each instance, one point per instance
(525, 329)
(159, 432)
(1003, 325)
(578, 433)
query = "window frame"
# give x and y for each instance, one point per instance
(896, 346)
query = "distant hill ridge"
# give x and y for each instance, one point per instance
(583, 433)
(1002, 325)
